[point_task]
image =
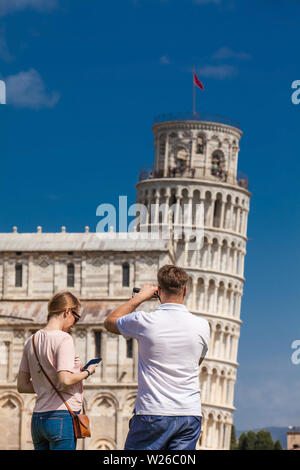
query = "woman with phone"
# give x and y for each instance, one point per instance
(51, 424)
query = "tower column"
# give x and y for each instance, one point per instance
(234, 348)
(242, 263)
(231, 302)
(177, 210)
(231, 392)
(222, 214)
(234, 260)
(223, 400)
(223, 302)
(213, 434)
(231, 216)
(189, 216)
(166, 161)
(201, 223)
(218, 262)
(204, 435)
(216, 398)
(215, 299)
(156, 213)
(227, 432)
(211, 214)
(208, 258)
(237, 221)
(238, 308)
(245, 223)
(166, 215)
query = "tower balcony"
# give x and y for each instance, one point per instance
(147, 172)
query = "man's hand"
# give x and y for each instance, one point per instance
(147, 292)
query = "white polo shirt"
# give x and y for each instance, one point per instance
(171, 341)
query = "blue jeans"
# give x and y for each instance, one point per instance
(53, 430)
(149, 432)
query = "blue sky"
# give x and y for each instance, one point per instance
(84, 81)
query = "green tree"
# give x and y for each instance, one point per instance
(243, 442)
(233, 441)
(277, 445)
(264, 441)
(251, 438)
(247, 441)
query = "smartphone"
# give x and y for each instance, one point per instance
(92, 361)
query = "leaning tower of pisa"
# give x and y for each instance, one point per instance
(196, 165)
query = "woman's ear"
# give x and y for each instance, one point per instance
(65, 313)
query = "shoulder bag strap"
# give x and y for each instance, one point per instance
(69, 409)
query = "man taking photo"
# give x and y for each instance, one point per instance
(172, 343)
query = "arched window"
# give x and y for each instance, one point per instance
(200, 144)
(181, 159)
(71, 275)
(98, 343)
(162, 146)
(125, 275)
(129, 348)
(217, 212)
(18, 275)
(218, 165)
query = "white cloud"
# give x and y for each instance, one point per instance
(164, 60)
(219, 72)
(10, 6)
(2, 92)
(227, 53)
(27, 90)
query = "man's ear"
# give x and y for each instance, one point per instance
(184, 291)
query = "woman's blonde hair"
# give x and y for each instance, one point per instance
(60, 302)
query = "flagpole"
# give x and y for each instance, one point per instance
(194, 95)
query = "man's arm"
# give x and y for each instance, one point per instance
(145, 293)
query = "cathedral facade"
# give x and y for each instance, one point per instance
(195, 167)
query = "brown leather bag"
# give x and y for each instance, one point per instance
(81, 423)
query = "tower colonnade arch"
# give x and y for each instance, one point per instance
(224, 208)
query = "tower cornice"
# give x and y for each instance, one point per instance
(198, 125)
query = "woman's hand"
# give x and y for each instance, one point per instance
(92, 368)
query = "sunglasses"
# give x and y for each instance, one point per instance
(76, 316)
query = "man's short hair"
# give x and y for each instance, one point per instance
(172, 279)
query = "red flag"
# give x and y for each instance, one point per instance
(198, 82)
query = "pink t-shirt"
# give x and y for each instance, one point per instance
(55, 350)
